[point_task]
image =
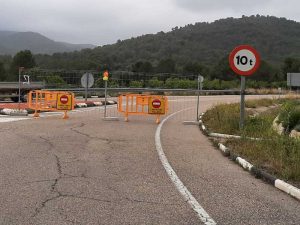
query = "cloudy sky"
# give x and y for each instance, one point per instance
(105, 21)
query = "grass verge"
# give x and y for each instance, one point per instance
(276, 154)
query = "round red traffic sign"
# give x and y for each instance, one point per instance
(64, 99)
(156, 103)
(244, 60)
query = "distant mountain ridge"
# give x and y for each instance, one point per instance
(12, 42)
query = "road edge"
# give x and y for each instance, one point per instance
(258, 173)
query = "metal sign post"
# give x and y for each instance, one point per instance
(105, 78)
(244, 60)
(200, 80)
(19, 99)
(242, 111)
(105, 94)
(86, 86)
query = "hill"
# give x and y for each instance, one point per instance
(207, 43)
(12, 42)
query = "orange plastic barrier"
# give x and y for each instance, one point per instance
(136, 104)
(51, 101)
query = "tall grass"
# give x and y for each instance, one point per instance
(279, 155)
(261, 102)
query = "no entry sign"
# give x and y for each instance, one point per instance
(244, 60)
(64, 101)
(156, 103)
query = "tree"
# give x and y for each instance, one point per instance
(266, 72)
(291, 65)
(196, 68)
(166, 66)
(223, 71)
(21, 59)
(2, 72)
(142, 67)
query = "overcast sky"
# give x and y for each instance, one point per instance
(105, 21)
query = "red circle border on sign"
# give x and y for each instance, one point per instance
(155, 106)
(64, 96)
(236, 70)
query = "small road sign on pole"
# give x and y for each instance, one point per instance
(244, 60)
(87, 81)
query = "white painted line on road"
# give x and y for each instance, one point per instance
(202, 214)
(75, 111)
(182, 100)
(7, 119)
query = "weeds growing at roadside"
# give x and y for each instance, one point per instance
(279, 155)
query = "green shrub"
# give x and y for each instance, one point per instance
(297, 127)
(155, 83)
(55, 81)
(290, 115)
(136, 84)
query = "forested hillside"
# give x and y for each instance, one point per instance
(275, 39)
(202, 48)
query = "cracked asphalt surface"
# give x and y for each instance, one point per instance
(88, 171)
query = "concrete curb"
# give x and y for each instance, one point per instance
(93, 104)
(258, 173)
(13, 112)
(218, 135)
(80, 105)
(25, 112)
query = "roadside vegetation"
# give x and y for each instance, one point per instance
(277, 154)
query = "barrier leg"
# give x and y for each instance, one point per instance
(157, 119)
(66, 115)
(126, 117)
(36, 114)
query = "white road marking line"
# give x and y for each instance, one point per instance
(78, 110)
(11, 119)
(6, 118)
(202, 214)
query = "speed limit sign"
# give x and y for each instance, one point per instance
(244, 60)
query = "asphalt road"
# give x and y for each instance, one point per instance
(88, 171)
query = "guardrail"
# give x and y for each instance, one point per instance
(5, 86)
(79, 90)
